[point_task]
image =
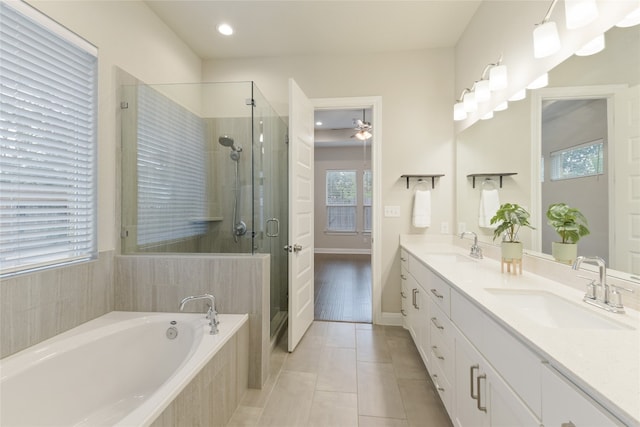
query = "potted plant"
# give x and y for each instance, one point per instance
(510, 217)
(571, 225)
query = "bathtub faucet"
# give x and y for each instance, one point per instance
(212, 314)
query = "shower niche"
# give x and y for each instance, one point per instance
(204, 171)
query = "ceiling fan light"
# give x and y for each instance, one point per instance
(519, 95)
(363, 135)
(459, 113)
(630, 20)
(546, 40)
(593, 47)
(540, 82)
(470, 103)
(498, 77)
(483, 91)
(580, 12)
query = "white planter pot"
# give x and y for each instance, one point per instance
(511, 250)
(564, 252)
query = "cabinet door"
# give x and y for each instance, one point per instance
(505, 408)
(469, 398)
(563, 404)
(412, 310)
(423, 330)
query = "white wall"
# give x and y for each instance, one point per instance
(416, 89)
(129, 36)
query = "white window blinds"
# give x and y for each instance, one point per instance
(48, 81)
(171, 170)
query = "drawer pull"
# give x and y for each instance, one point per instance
(435, 380)
(403, 277)
(403, 313)
(568, 424)
(434, 320)
(437, 294)
(471, 369)
(480, 407)
(435, 352)
(403, 295)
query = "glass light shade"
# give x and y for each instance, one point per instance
(541, 81)
(498, 77)
(502, 106)
(519, 95)
(630, 20)
(487, 116)
(470, 103)
(593, 47)
(546, 40)
(459, 113)
(363, 135)
(483, 91)
(580, 12)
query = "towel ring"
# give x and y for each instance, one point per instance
(489, 182)
(419, 183)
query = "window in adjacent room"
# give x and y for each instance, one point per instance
(578, 161)
(367, 197)
(48, 105)
(342, 193)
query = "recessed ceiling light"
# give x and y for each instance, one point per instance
(318, 123)
(225, 29)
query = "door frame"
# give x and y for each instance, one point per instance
(375, 104)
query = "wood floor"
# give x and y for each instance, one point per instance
(342, 289)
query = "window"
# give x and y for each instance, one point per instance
(48, 81)
(171, 170)
(342, 193)
(578, 161)
(367, 197)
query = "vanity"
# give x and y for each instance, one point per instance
(516, 350)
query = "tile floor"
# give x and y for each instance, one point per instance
(345, 374)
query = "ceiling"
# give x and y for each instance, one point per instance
(266, 28)
(307, 27)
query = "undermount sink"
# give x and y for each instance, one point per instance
(450, 257)
(553, 311)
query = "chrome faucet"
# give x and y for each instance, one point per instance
(475, 251)
(212, 314)
(601, 294)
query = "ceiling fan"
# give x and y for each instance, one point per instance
(363, 128)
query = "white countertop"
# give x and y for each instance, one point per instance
(605, 363)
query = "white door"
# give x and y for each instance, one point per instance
(625, 250)
(301, 247)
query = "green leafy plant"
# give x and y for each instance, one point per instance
(568, 222)
(510, 217)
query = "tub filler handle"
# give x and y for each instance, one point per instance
(212, 314)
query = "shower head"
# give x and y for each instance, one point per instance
(227, 141)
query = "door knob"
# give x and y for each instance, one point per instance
(297, 248)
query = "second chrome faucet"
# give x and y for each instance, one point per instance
(475, 250)
(601, 294)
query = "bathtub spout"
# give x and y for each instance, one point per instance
(212, 314)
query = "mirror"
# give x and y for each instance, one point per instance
(604, 86)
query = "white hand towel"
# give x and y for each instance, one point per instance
(489, 205)
(422, 209)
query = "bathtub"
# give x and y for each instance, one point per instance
(123, 369)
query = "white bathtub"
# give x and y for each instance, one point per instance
(119, 369)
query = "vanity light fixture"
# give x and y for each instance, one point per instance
(459, 113)
(579, 13)
(225, 29)
(482, 91)
(540, 82)
(498, 76)
(630, 20)
(470, 103)
(487, 116)
(519, 95)
(546, 40)
(593, 47)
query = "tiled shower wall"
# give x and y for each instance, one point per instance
(240, 284)
(39, 305)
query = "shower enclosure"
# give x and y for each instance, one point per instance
(204, 170)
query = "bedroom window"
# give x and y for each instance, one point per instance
(342, 200)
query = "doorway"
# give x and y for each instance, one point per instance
(343, 212)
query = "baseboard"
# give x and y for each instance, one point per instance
(391, 319)
(342, 251)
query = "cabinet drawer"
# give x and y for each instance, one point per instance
(442, 355)
(443, 387)
(468, 318)
(438, 289)
(441, 327)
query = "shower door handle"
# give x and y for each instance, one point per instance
(277, 223)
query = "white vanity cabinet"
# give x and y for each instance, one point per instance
(565, 405)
